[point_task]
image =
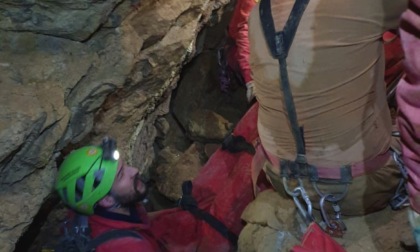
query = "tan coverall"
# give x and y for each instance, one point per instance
(336, 72)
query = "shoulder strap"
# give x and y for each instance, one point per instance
(111, 235)
(279, 44)
(187, 202)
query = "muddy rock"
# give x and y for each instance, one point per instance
(274, 225)
(271, 224)
(208, 126)
(172, 136)
(199, 92)
(169, 155)
(179, 168)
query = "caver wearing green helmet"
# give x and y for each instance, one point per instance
(86, 176)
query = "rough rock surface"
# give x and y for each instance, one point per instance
(206, 118)
(74, 71)
(180, 167)
(273, 225)
(206, 124)
(75, 20)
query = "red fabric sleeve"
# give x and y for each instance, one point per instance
(408, 98)
(238, 31)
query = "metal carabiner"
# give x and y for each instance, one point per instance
(306, 213)
(66, 228)
(288, 191)
(337, 197)
(400, 164)
(334, 227)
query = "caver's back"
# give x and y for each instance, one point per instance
(336, 73)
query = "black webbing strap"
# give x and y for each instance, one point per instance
(187, 202)
(279, 44)
(111, 235)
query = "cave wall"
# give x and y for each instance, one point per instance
(74, 71)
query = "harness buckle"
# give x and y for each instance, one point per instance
(301, 159)
(290, 169)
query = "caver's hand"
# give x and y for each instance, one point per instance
(250, 91)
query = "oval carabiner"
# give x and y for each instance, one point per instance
(400, 164)
(336, 227)
(336, 198)
(288, 191)
(306, 213)
(323, 211)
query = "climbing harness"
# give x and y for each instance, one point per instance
(76, 237)
(279, 44)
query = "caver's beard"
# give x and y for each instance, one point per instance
(133, 198)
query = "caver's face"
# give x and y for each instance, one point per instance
(128, 188)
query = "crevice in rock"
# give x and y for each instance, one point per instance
(26, 241)
(141, 97)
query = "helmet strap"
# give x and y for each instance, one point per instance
(116, 204)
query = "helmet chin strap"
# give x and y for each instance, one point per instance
(115, 206)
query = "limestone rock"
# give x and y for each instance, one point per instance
(21, 201)
(116, 52)
(162, 125)
(74, 71)
(169, 155)
(208, 125)
(174, 136)
(270, 209)
(274, 225)
(265, 239)
(180, 167)
(168, 29)
(28, 58)
(199, 92)
(75, 20)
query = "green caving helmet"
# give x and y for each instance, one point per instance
(85, 177)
